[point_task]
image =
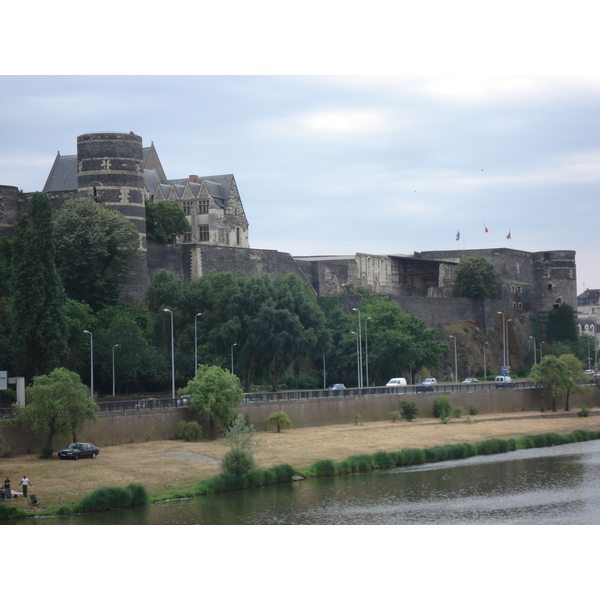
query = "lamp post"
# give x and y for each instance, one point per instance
(113, 366)
(484, 362)
(455, 361)
(360, 370)
(231, 354)
(172, 355)
(367, 346)
(91, 362)
(196, 342)
(589, 355)
(534, 349)
(357, 361)
(507, 346)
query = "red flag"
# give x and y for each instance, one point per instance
(486, 229)
(508, 236)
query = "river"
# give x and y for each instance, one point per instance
(557, 485)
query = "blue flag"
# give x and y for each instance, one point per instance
(457, 236)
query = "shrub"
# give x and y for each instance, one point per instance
(255, 478)
(395, 416)
(281, 473)
(108, 498)
(493, 446)
(383, 460)
(238, 461)
(409, 410)
(8, 513)
(457, 412)
(473, 410)
(190, 431)
(324, 468)
(280, 420)
(411, 456)
(584, 412)
(442, 409)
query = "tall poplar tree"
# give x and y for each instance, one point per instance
(40, 331)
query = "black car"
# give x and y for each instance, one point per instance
(79, 450)
(424, 387)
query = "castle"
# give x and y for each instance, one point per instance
(119, 173)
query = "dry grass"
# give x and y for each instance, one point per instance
(175, 464)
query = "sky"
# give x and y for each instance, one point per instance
(383, 142)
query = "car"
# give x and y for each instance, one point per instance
(424, 387)
(589, 372)
(430, 381)
(337, 386)
(396, 381)
(504, 381)
(78, 450)
(470, 380)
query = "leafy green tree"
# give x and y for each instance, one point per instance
(554, 376)
(475, 279)
(97, 250)
(409, 410)
(39, 326)
(165, 221)
(57, 402)
(239, 459)
(575, 367)
(280, 420)
(213, 395)
(562, 326)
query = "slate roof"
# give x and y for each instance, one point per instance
(63, 175)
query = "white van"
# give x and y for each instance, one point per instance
(504, 381)
(396, 381)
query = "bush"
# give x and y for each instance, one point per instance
(395, 416)
(383, 460)
(442, 409)
(190, 431)
(584, 412)
(409, 410)
(108, 498)
(8, 513)
(238, 461)
(493, 446)
(280, 420)
(324, 468)
(281, 473)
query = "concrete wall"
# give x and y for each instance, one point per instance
(160, 424)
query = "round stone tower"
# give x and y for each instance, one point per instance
(110, 169)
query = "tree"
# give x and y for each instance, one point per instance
(97, 249)
(554, 376)
(39, 328)
(562, 326)
(165, 221)
(213, 394)
(57, 402)
(475, 279)
(575, 367)
(280, 420)
(239, 459)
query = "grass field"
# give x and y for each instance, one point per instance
(175, 464)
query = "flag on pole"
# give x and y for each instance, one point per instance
(508, 236)
(485, 227)
(457, 236)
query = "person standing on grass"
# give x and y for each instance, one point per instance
(7, 494)
(24, 484)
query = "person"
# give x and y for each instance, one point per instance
(24, 484)
(7, 494)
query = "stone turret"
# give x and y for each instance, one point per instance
(110, 169)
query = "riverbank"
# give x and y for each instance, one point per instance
(173, 464)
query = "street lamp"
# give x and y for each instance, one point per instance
(367, 346)
(113, 366)
(531, 337)
(360, 371)
(507, 346)
(91, 362)
(503, 339)
(484, 363)
(231, 354)
(196, 342)
(357, 361)
(455, 361)
(172, 355)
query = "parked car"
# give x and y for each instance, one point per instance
(589, 372)
(504, 381)
(396, 381)
(337, 386)
(424, 387)
(79, 450)
(430, 381)
(470, 380)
